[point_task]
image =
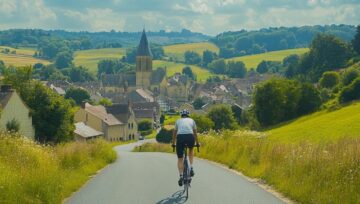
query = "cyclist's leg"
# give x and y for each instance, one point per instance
(179, 152)
(191, 143)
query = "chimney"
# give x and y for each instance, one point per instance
(83, 104)
(6, 88)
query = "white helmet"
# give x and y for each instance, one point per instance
(185, 112)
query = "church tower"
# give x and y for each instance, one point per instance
(143, 63)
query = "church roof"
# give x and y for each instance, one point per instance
(143, 48)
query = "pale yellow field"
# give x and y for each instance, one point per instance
(177, 51)
(23, 57)
(252, 61)
(172, 68)
(90, 58)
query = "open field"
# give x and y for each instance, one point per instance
(173, 67)
(321, 126)
(252, 61)
(177, 51)
(90, 58)
(23, 57)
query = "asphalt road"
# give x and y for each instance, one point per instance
(151, 178)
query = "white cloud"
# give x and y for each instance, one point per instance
(98, 19)
(200, 6)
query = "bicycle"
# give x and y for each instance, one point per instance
(187, 168)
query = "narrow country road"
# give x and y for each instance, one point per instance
(151, 178)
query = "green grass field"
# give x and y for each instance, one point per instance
(177, 51)
(252, 61)
(321, 126)
(23, 57)
(172, 68)
(90, 58)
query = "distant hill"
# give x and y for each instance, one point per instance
(244, 42)
(177, 51)
(252, 61)
(19, 57)
(322, 126)
(113, 39)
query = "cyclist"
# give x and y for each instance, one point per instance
(184, 133)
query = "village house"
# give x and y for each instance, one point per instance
(110, 121)
(84, 133)
(147, 111)
(14, 109)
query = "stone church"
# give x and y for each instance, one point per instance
(144, 78)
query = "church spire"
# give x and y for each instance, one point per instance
(143, 48)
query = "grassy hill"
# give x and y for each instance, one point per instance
(252, 61)
(90, 58)
(177, 51)
(22, 57)
(172, 68)
(321, 126)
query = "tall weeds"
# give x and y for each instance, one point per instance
(33, 173)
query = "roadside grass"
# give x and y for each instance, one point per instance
(23, 57)
(252, 61)
(173, 67)
(152, 135)
(90, 58)
(177, 51)
(33, 173)
(314, 159)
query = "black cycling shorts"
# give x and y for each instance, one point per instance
(181, 140)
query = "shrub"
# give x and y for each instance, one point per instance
(351, 92)
(223, 117)
(13, 125)
(165, 134)
(203, 123)
(350, 75)
(329, 79)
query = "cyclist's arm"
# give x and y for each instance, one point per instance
(174, 136)
(195, 135)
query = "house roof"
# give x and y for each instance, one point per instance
(119, 80)
(157, 76)
(58, 90)
(86, 131)
(5, 97)
(144, 113)
(140, 95)
(100, 112)
(143, 48)
(120, 111)
(145, 106)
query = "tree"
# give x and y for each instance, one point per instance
(111, 66)
(310, 99)
(208, 57)
(192, 57)
(105, 102)
(236, 69)
(218, 66)
(63, 60)
(276, 100)
(329, 79)
(13, 125)
(350, 75)
(144, 125)
(79, 95)
(262, 67)
(198, 103)
(356, 41)
(223, 117)
(188, 72)
(203, 123)
(78, 74)
(351, 91)
(2, 67)
(238, 111)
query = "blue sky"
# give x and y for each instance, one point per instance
(207, 16)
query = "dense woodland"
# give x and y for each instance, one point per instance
(244, 42)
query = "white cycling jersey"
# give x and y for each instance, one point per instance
(185, 126)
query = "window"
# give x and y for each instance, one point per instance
(129, 125)
(132, 126)
(129, 137)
